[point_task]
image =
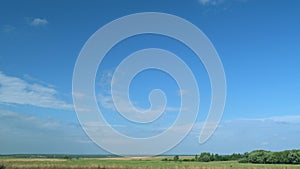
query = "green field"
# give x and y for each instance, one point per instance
(128, 163)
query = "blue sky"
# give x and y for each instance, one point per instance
(257, 41)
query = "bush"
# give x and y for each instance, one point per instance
(176, 158)
(188, 159)
(259, 156)
(243, 160)
(205, 157)
(164, 159)
(2, 166)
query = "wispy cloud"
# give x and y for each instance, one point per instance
(244, 135)
(14, 90)
(129, 108)
(285, 119)
(182, 92)
(134, 110)
(270, 133)
(20, 132)
(7, 28)
(106, 101)
(215, 6)
(38, 22)
(219, 2)
(211, 2)
(14, 119)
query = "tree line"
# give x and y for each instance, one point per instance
(257, 156)
(268, 157)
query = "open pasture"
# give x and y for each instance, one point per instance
(128, 163)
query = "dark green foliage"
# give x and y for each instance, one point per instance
(176, 158)
(217, 157)
(164, 159)
(67, 157)
(206, 157)
(235, 156)
(257, 156)
(2, 166)
(243, 160)
(268, 157)
(187, 159)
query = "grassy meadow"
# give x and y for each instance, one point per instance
(128, 163)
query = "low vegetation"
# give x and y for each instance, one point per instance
(268, 157)
(257, 157)
(2, 166)
(154, 163)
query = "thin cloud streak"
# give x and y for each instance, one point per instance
(14, 90)
(211, 2)
(20, 132)
(244, 135)
(106, 101)
(7, 28)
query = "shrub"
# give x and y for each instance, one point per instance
(205, 157)
(176, 158)
(2, 166)
(243, 160)
(187, 159)
(164, 159)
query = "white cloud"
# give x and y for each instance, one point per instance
(108, 103)
(7, 28)
(20, 132)
(286, 119)
(244, 135)
(38, 22)
(105, 79)
(14, 90)
(14, 122)
(211, 2)
(264, 143)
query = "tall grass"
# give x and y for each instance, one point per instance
(131, 164)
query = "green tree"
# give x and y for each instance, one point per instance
(176, 158)
(259, 156)
(293, 157)
(67, 157)
(217, 157)
(205, 157)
